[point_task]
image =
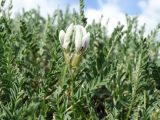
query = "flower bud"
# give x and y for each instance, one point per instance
(82, 39)
(78, 38)
(85, 41)
(68, 36)
(64, 38)
(61, 37)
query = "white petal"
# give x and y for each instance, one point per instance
(85, 41)
(61, 36)
(68, 35)
(78, 38)
(65, 44)
(83, 29)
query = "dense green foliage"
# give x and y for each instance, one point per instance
(118, 78)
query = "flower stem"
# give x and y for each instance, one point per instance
(72, 85)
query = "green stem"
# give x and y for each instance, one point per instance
(61, 82)
(72, 85)
(145, 99)
(111, 48)
(131, 105)
(135, 88)
(64, 73)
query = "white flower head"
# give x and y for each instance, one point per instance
(64, 38)
(82, 38)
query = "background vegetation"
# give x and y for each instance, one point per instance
(118, 78)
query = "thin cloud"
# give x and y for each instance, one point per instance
(45, 6)
(111, 10)
(150, 13)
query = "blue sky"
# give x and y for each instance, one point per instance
(127, 6)
(130, 6)
(115, 10)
